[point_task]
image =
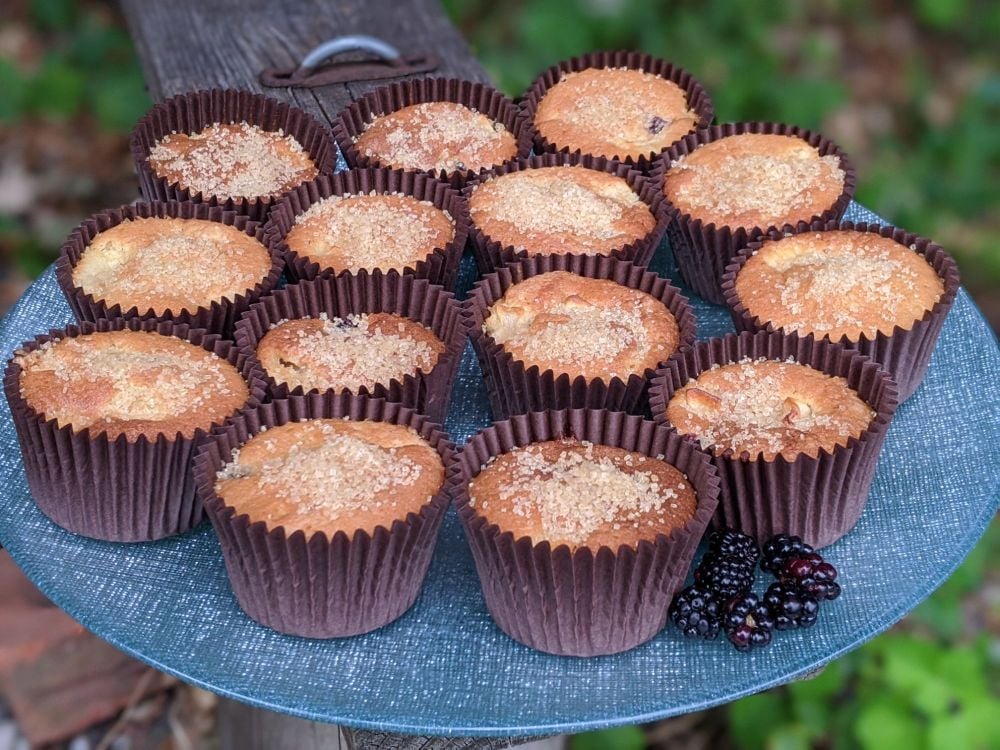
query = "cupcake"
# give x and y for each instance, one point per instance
(386, 335)
(582, 525)
(230, 148)
(126, 262)
(327, 509)
(879, 290)
(621, 105)
(562, 204)
(794, 427)
(371, 219)
(729, 184)
(108, 416)
(556, 332)
(450, 128)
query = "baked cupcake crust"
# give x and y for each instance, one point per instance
(838, 283)
(139, 262)
(232, 160)
(754, 180)
(359, 351)
(331, 475)
(560, 209)
(582, 494)
(768, 408)
(595, 328)
(131, 383)
(436, 136)
(373, 231)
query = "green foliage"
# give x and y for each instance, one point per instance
(618, 738)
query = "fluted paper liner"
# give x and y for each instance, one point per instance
(904, 353)
(217, 317)
(819, 499)
(516, 388)
(351, 122)
(196, 110)
(323, 586)
(440, 266)
(115, 490)
(349, 294)
(584, 602)
(491, 254)
(702, 251)
(697, 98)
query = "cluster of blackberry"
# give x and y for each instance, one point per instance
(721, 597)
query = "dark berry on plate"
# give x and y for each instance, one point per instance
(812, 574)
(730, 543)
(748, 623)
(779, 549)
(790, 606)
(725, 577)
(696, 613)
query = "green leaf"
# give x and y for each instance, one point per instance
(13, 85)
(617, 738)
(753, 719)
(57, 89)
(884, 724)
(790, 737)
(54, 14)
(120, 99)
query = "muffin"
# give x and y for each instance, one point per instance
(327, 510)
(858, 286)
(793, 425)
(108, 417)
(573, 331)
(127, 263)
(582, 524)
(620, 105)
(728, 184)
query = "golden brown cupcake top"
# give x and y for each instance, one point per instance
(170, 264)
(580, 494)
(560, 210)
(232, 160)
(571, 324)
(437, 136)
(769, 408)
(331, 475)
(384, 231)
(347, 353)
(754, 180)
(130, 383)
(838, 283)
(614, 112)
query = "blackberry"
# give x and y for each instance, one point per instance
(726, 577)
(790, 606)
(748, 623)
(695, 612)
(779, 549)
(730, 543)
(813, 575)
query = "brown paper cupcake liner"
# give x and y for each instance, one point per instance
(351, 122)
(904, 353)
(819, 499)
(514, 387)
(416, 299)
(702, 251)
(115, 490)
(582, 602)
(323, 586)
(491, 254)
(218, 317)
(440, 266)
(196, 110)
(698, 99)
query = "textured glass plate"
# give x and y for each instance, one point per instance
(444, 668)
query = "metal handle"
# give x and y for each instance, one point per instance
(351, 43)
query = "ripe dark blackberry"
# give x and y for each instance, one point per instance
(790, 606)
(748, 623)
(730, 543)
(696, 613)
(779, 549)
(726, 577)
(812, 574)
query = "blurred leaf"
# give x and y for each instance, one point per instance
(57, 89)
(753, 719)
(54, 14)
(119, 99)
(14, 86)
(792, 737)
(617, 738)
(942, 13)
(883, 724)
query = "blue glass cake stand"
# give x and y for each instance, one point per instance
(444, 668)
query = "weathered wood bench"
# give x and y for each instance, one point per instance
(186, 45)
